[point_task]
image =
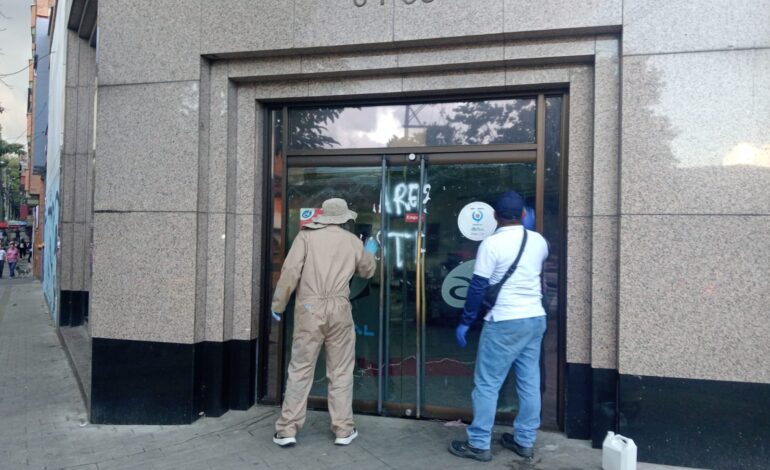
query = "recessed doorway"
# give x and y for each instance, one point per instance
(409, 189)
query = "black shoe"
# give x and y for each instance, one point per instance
(465, 450)
(509, 443)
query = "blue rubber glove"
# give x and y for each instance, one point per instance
(277, 316)
(371, 245)
(460, 333)
(528, 220)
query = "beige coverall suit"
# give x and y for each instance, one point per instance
(319, 265)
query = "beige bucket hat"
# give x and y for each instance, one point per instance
(335, 211)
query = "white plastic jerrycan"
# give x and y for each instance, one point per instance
(618, 453)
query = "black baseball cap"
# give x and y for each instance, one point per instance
(509, 206)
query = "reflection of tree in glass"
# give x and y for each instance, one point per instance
(493, 122)
(308, 128)
(408, 141)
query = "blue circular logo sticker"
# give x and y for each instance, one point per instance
(306, 214)
(476, 221)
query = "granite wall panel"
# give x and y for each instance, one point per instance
(581, 142)
(147, 163)
(437, 19)
(661, 26)
(693, 290)
(216, 183)
(340, 22)
(469, 79)
(215, 276)
(152, 41)
(137, 298)
(579, 258)
(243, 281)
(695, 137)
(540, 16)
(604, 292)
(237, 26)
(606, 138)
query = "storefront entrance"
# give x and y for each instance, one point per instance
(428, 206)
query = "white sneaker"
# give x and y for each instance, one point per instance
(343, 441)
(284, 441)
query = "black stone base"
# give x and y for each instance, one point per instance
(604, 412)
(697, 423)
(73, 307)
(241, 369)
(140, 382)
(225, 376)
(591, 403)
(577, 403)
(211, 389)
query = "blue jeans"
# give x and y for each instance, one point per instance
(12, 268)
(502, 345)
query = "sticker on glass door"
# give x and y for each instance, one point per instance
(477, 221)
(308, 215)
(454, 289)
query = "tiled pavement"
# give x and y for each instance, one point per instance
(43, 423)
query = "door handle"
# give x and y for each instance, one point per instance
(420, 294)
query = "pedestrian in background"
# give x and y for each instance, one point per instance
(23, 249)
(512, 334)
(320, 264)
(12, 255)
(2, 260)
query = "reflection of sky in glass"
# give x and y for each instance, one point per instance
(435, 124)
(716, 115)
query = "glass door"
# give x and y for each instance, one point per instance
(407, 361)
(401, 204)
(360, 186)
(387, 200)
(459, 193)
(427, 265)
(410, 190)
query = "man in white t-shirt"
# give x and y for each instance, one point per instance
(512, 334)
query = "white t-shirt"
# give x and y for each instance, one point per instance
(521, 296)
(2, 254)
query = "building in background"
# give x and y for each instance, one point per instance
(636, 130)
(37, 113)
(55, 141)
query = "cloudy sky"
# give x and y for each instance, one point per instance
(15, 51)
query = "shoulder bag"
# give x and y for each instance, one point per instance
(490, 297)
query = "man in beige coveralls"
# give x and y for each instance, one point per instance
(321, 262)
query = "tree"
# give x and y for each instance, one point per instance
(308, 128)
(10, 176)
(7, 148)
(10, 173)
(493, 122)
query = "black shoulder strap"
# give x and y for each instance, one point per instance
(515, 264)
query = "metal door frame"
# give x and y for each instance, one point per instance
(383, 157)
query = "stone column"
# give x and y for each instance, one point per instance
(146, 214)
(695, 214)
